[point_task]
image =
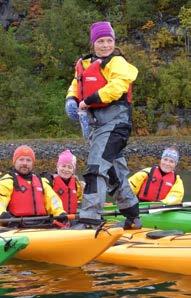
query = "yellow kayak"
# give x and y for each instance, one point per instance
(65, 247)
(139, 249)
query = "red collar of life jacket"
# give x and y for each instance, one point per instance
(91, 79)
(27, 198)
(67, 193)
(156, 186)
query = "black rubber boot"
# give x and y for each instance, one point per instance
(87, 223)
(132, 217)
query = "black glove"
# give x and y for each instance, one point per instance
(132, 215)
(5, 215)
(62, 217)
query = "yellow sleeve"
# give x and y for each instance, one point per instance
(137, 180)
(80, 189)
(176, 194)
(6, 189)
(53, 203)
(72, 91)
(119, 74)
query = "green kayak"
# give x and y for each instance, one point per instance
(165, 220)
(10, 246)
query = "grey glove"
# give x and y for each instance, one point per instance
(5, 215)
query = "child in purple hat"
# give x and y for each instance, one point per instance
(101, 89)
(101, 29)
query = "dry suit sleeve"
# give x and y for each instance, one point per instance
(53, 203)
(72, 90)
(136, 180)
(80, 189)
(176, 194)
(6, 189)
(119, 74)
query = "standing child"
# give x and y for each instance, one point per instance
(101, 84)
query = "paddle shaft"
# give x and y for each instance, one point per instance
(36, 218)
(150, 210)
(155, 209)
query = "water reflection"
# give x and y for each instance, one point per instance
(30, 279)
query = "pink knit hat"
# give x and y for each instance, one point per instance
(101, 29)
(66, 157)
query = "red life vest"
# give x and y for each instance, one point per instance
(27, 198)
(156, 186)
(91, 80)
(67, 193)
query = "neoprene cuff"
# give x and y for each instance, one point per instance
(94, 98)
(72, 97)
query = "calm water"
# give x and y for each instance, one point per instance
(30, 279)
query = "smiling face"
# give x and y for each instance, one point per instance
(167, 164)
(24, 165)
(104, 46)
(65, 170)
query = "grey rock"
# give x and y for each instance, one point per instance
(141, 147)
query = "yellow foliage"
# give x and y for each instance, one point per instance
(162, 39)
(3, 67)
(140, 125)
(185, 17)
(149, 25)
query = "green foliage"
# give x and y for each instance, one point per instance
(20, 6)
(56, 122)
(65, 31)
(12, 52)
(37, 62)
(47, 4)
(145, 86)
(8, 53)
(20, 102)
(170, 6)
(174, 88)
(138, 11)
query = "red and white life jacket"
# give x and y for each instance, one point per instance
(67, 193)
(156, 186)
(27, 198)
(91, 79)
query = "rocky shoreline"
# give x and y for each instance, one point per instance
(142, 146)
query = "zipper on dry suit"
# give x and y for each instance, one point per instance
(34, 199)
(69, 200)
(161, 183)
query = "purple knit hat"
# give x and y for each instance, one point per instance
(101, 29)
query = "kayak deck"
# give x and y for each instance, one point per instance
(65, 247)
(170, 253)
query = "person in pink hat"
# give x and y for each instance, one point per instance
(65, 183)
(101, 87)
